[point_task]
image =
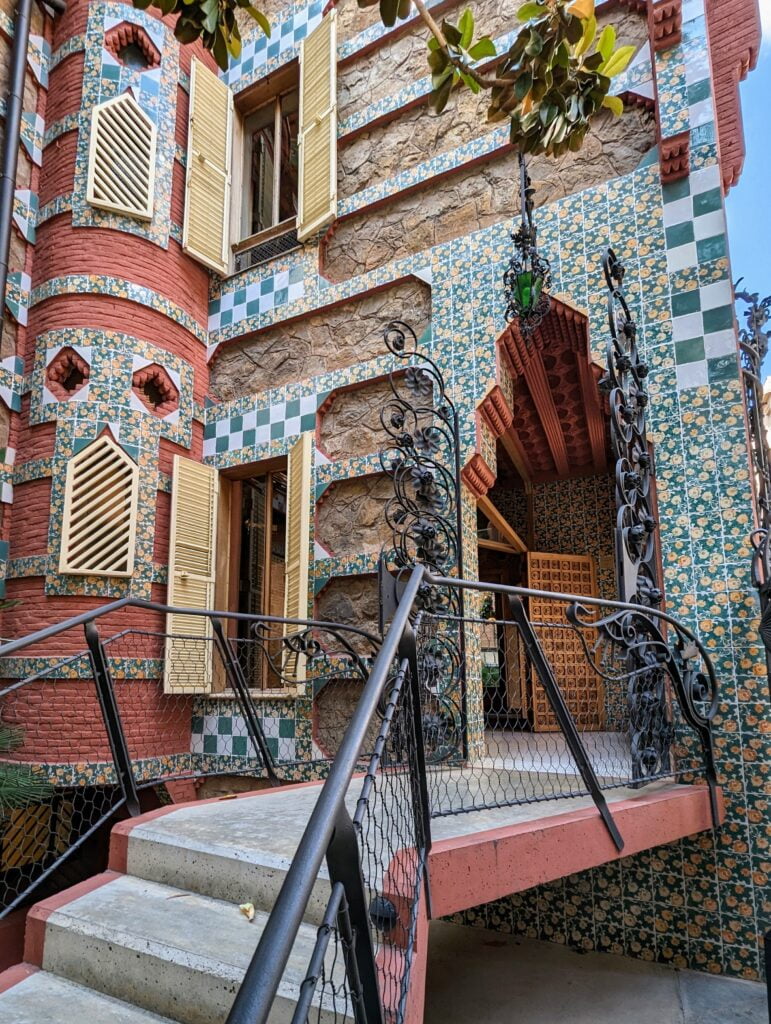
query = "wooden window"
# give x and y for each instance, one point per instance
(121, 159)
(100, 511)
(318, 128)
(207, 184)
(188, 663)
(297, 541)
(270, 166)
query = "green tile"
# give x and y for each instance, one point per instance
(277, 431)
(293, 408)
(239, 746)
(698, 91)
(210, 744)
(689, 351)
(263, 417)
(722, 368)
(286, 728)
(679, 234)
(236, 423)
(713, 248)
(686, 302)
(719, 319)
(677, 190)
(707, 202)
(308, 422)
(250, 438)
(225, 725)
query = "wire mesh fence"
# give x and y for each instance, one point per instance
(635, 691)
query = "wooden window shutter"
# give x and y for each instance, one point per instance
(121, 158)
(100, 511)
(317, 154)
(298, 525)
(207, 184)
(188, 666)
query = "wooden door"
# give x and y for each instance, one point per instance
(582, 688)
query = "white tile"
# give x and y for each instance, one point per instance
(222, 427)
(678, 212)
(692, 375)
(709, 225)
(277, 412)
(685, 327)
(250, 419)
(209, 447)
(681, 256)
(701, 113)
(717, 294)
(704, 179)
(720, 343)
(263, 434)
(292, 426)
(308, 404)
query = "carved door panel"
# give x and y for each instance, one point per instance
(582, 688)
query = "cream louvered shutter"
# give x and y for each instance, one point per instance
(317, 152)
(121, 158)
(298, 524)
(207, 184)
(188, 666)
(100, 511)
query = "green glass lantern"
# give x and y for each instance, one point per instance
(528, 274)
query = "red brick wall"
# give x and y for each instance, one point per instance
(61, 719)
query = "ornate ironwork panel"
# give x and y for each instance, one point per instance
(422, 460)
(650, 720)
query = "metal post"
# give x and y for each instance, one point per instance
(418, 780)
(105, 691)
(344, 864)
(562, 714)
(238, 683)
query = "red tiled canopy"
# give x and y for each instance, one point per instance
(558, 420)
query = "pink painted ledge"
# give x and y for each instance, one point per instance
(472, 869)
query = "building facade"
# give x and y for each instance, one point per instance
(193, 361)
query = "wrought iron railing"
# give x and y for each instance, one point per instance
(92, 715)
(550, 719)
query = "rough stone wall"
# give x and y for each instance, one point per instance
(371, 77)
(328, 340)
(406, 139)
(349, 516)
(351, 423)
(350, 600)
(482, 195)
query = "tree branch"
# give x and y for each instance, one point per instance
(483, 81)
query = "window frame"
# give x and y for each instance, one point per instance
(269, 90)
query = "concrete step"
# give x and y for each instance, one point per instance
(232, 850)
(42, 998)
(175, 953)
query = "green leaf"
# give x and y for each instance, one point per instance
(466, 28)
(451, 33)
(440, 96)
(523, 86)
(260, 18)
(220, 50)
(617, 62)
(470, 82)
(614, 103)
(438, 79)
(437, 60)
(535, 45)
(388, 12)
(607, 42)
(586, 40)
(530, 10)
(483, 47)
(433, 43)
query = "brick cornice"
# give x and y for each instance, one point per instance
(675, 157)
(667, 24)
(733, 31)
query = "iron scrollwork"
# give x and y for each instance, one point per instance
(753, 348)
(528, 275)
(421, 458)
(650, 717)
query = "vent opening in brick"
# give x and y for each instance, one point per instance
(67, 373)
(155, 389)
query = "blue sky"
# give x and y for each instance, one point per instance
(748, 205)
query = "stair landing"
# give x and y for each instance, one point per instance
(159, 936)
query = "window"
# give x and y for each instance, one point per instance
(270, 165)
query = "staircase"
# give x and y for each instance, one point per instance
(160, 936)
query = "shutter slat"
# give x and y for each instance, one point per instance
(207, 183)
(317, 135)
(121, 159)
(188, 666)
(298, 499)
(100, 511)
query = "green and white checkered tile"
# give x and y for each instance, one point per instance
(287, 418)
(227, 735)
(239, 301)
